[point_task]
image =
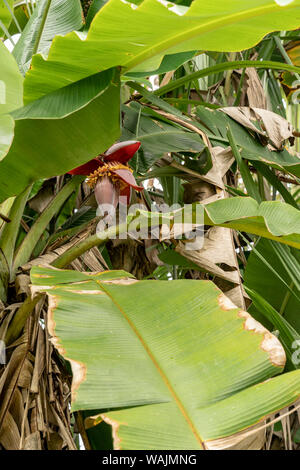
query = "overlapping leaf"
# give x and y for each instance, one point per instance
(72, 125)
(143, 35)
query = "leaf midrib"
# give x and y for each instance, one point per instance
(157, 366)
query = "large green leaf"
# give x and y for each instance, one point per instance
(49, 18)
(288, 336)
(143, 35)
(61, 131)
(186, 367)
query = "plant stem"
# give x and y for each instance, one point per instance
(94, 240)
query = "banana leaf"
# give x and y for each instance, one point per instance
(144, 34)
(167, 364)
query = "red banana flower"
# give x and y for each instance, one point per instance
(109, 174)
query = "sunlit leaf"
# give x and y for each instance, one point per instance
(143, 35)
